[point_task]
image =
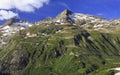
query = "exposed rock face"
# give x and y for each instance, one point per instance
(85, 21)
(10, 21)
(14, 64)
(64, 17)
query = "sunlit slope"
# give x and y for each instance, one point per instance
(60, 50)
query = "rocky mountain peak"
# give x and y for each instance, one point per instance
(67, 12)
(64, 17)
(10, 21)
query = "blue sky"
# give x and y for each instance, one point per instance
(108, 9)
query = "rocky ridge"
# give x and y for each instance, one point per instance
(70, 44)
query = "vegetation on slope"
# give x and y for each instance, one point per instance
(63, 50)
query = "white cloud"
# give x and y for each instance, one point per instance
(7, 14)
(22, 5)
(29, 5)
(5, 4)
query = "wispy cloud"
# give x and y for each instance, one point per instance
(64, 5)
(21, 5)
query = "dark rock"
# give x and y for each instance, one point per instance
(15, 63)
(10, 21)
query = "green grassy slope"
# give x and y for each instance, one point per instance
(71, 51)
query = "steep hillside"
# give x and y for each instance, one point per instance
(52, 48)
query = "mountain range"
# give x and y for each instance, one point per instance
(70, 44)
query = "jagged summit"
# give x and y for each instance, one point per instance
(67, 12)
(68, 16)
(64, 17)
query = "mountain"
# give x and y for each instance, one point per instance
(64, 17)
(10, 21)
(87, 21)
(70, 44)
